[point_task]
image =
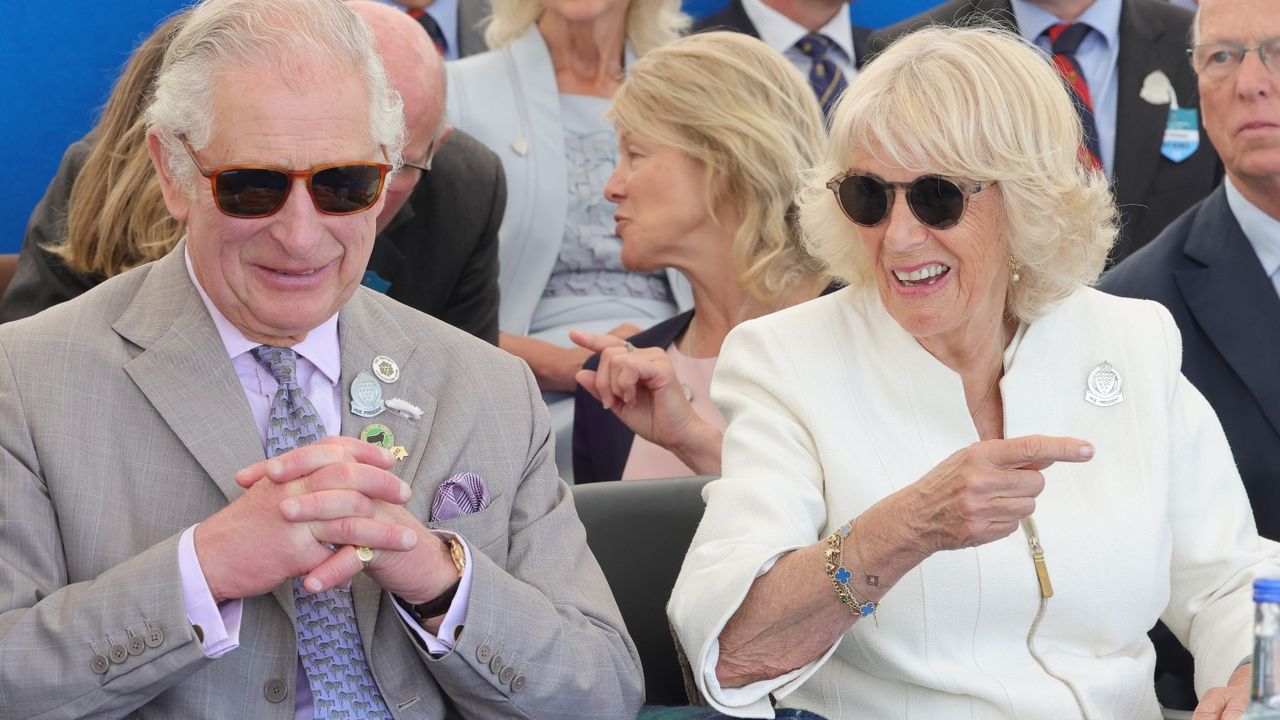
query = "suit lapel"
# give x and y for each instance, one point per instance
(187, 377)
(1227, 294)
(366, 331)
(185, 374)
(1140, 124)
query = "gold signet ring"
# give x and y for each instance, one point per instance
(365, 555)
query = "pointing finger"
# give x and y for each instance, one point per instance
(1036, 452)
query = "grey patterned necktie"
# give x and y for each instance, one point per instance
(342, 685)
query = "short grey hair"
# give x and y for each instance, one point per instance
(983, 105)
(295, 38)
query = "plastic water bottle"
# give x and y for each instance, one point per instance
(1264, 700)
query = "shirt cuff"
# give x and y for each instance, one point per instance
(218, 626)
(442, 642)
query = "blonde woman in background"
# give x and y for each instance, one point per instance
(103, 213)
(967, 484)
(538, 100)
(715, 131)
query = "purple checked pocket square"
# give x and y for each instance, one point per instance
(462, 494)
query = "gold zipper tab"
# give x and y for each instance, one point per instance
(1042, 573)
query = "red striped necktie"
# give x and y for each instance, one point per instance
(1065, 39)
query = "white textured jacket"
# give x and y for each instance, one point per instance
(832, 406)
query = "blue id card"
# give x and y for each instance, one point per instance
(1181, 134)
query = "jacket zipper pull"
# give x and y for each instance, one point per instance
(1042, 571)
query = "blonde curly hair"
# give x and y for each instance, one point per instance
(980, 104)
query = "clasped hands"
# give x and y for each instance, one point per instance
(338, 491)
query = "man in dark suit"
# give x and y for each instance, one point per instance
(1129, 81)
(1217, 268)
(437, 245)
(809, 33)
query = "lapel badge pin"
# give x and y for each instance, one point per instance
(366, 396)
(1103, 387)
(386, 369)
(404, 408)
(520, 146)
(1156, 88)
(378, 434)
(399, 452)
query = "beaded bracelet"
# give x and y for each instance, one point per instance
(840, 576)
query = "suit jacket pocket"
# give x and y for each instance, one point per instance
(485, 531)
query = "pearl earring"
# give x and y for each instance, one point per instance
(1015, 270)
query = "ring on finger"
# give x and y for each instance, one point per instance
(364, 554)
(630, 347)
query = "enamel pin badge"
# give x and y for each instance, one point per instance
(366, 396)
(1103, 386)
(386, 369)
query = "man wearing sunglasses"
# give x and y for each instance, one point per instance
(437, 245)
(194, 520)
(1126, 63)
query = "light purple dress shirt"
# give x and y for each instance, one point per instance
(319, 373)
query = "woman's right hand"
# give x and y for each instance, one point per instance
(980, 493)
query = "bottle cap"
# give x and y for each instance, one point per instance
(1266, 590)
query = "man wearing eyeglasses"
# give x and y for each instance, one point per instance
(196, 518)
(1124, 61)
(437, 245)
(1217, 267)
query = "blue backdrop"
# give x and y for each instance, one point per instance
(61, 59)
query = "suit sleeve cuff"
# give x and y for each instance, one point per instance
(442, 642)
(218, 626)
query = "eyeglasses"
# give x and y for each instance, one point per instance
(1220, 59)
(934, 200)
(257, 191)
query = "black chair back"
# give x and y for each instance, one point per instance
(640, 531)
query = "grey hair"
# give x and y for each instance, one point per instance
(295, 39)
(982, 105)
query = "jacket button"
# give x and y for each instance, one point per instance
(495, 663)
(275, 690)
(483, 653)
(136, 645)
(505, 676)
(153, 638)
(517, 683)
(118, 653)
(99, 664)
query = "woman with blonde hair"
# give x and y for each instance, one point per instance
(538, 100)
(967, 484)
(103, 213)
(715, 131)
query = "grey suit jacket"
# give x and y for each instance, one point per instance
(121, 424)
(471, 14)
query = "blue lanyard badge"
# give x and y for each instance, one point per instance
(1182, 130)
(1181, 134)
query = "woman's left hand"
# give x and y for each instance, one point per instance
(640, 386)
(1227, 703)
